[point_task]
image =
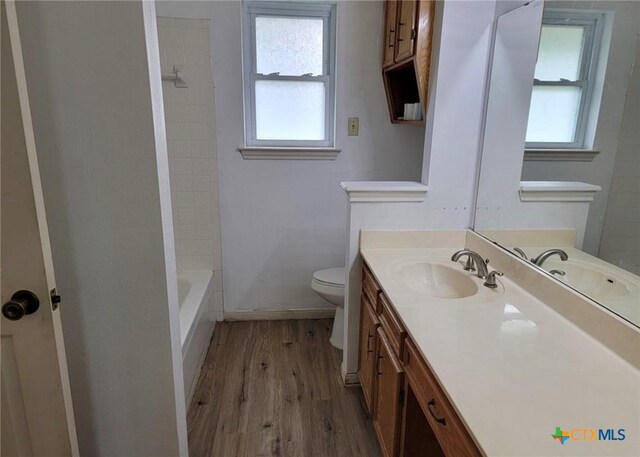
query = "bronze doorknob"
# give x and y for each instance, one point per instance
(22, 302)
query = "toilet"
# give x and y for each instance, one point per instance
(329, 284)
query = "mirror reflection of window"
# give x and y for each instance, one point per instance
(564, 79)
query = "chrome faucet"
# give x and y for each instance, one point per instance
(548, 253)
(521, 253)
(479, 261)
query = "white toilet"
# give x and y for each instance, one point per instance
(329, 284)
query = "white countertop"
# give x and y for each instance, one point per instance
(513, 368)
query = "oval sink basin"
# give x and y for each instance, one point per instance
(588, 280)
(437, 281)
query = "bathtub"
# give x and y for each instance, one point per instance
(195, 295)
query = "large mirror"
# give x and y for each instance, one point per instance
(560, 175)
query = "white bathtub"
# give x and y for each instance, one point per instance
(195, 295)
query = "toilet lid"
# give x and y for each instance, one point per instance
(333, 276)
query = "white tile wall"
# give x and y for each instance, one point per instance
(192, 148)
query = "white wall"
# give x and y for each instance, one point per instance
(625, 27)
(461, 50)
(93, 77)
(620, 243)
(283, 220)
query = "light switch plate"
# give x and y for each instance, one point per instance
(354, 126)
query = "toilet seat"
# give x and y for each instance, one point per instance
(330, 277)
(329, 284)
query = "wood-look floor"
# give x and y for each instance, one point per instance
(273, 388)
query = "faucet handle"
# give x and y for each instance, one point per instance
(490, 282)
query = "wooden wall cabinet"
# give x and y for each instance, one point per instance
(406, 55)
(389, 37)
(412, 416)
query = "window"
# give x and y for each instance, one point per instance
(289, 74)
(563, 84)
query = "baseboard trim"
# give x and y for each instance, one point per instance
(280, 314)
(351, 380)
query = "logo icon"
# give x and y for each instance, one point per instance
(560, 435)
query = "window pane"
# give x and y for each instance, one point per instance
(289, 45)
(553, 114)
(290, 110)
(560, 52)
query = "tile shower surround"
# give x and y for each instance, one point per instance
(193, 163)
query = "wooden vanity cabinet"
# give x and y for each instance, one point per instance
(440, 414)
(369, 324)
(412, 416)
(388, 396)
(418, 439)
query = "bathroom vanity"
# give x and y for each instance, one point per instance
(411, 413)
(450, 367)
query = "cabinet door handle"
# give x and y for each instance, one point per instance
(369, 336)
(440, 420)
(390, 40)
(378, 372)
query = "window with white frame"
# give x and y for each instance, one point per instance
(564, 79)
(289, 74)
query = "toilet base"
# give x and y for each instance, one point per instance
(337, 334)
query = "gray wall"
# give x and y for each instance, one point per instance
(620, 243)
(92, 101)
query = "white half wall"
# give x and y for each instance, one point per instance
(283, 220)
(93, 73)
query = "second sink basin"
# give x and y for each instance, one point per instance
(437, 281)
(599, 284)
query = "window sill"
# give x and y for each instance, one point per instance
(560, 155)
(276, 153)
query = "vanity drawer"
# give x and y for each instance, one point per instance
(391, 324)
(370, 287)
(447, 426)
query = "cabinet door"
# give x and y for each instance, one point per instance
(405, 29)
(388, 397)
(389, 39)
(367, 355)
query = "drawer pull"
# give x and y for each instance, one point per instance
(369, 336)
(378, 372)
(439, 420)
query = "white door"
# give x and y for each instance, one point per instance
(36, 411)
